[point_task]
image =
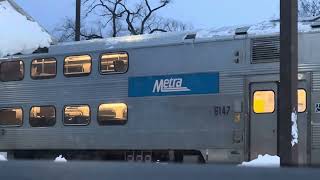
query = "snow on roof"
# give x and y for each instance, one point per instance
(18, 32)
(269, 27)
(120, 42)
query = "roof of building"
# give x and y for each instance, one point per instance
(19, 32)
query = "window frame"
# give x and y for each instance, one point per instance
(55, 112)
(72, 125)
(112, 73)
(306, 107)
(113, 122)
(77, 75)
(22, 116)
(23, 74)
(45, 77)
(274, 102)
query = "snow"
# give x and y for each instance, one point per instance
(3, 158)
(18, 34)
(294, 129)
(110, 42)
(116, 42)
(60, 159)
(263, 161)
(267, 27)
(223, 31)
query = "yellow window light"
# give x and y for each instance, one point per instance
(263, 102)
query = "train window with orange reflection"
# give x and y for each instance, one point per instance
(76, 115)
(11, 116)
(44, 68)
(263, 102)
(113, 114)
(77, 65)
(44, 116)
(114, 63)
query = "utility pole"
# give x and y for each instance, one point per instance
(288, 80)
(78, 20)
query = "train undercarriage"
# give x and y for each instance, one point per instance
(143, 156)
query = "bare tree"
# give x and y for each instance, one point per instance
(110, 10)
(309, 8)
(168, 25)
(140, 18)
(119, 17)
(66, 31)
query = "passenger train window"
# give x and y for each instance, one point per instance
(114, 63)
(77, 65)
(263, 102)
(302, 100)
(11, 116)
(12, 71)
(43, 116)
(113, 114)
(77, 115)
(44, 68)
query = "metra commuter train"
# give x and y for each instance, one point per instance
(168, 97)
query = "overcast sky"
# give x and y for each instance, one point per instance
(200, 13)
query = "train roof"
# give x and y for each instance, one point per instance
(263, 29)
(266, 28)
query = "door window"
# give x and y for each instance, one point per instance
(263, 102)
(302, 100)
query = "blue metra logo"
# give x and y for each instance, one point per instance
(177, 84)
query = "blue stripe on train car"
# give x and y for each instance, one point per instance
(177, 84)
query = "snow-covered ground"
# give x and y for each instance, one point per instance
(263, 161)
(60, 159)
(2, 158)
(18, 34)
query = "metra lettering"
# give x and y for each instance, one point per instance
(169, 85)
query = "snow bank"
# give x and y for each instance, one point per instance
(2, 158)
(18, 34)
(60, 159)
(263, 161)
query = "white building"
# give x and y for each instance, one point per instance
(19, 33)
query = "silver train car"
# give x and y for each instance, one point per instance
(169, 97)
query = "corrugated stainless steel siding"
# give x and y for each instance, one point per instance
(231, 84)
(316, 136)
(75, 91)
(316, 81)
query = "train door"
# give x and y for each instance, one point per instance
(303, 122)
(263, 119)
